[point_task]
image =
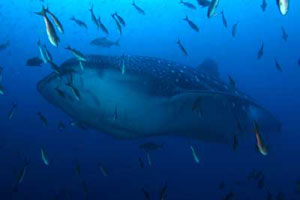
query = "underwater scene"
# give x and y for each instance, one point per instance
(149, 100)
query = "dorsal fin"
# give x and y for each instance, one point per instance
(209, 67)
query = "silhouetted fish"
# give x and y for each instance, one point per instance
(203, 3)
(139, 9)
(192, 24)
(4, 45)
(188, 4)
(260, 52)
(182, 48)
(79, 22)
(234, 29)
(284, 34)
(224, 19)
(264, 5)
(34, 62)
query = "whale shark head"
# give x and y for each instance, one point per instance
(133, 97)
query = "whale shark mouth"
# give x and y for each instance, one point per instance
(153, 97)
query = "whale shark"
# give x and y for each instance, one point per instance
(132, 97)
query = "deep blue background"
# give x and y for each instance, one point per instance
(154, 34)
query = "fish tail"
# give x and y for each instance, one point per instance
(92, 8)
(68, 47)
(42, 12)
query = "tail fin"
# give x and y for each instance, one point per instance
(92, 8)
(68, 47)
(42, 12)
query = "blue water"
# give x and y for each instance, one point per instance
(155, 35)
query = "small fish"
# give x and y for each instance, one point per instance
(94, 19)
(60, 92)
(278, 67)
(104, 42)
(85, 189)
(45, 54)
(59, 26)
(120, 19)
(203, 3)
(55, 68)
(146, 194)
(78, 168)
(231, 81)
(34, 62)
(283, 6)
(142, 165)
(21, 175)
(150, 146)
(79, 22)
(212, 8)
(234, 29)
(103, 170)
(52, 36)
(261, 183)
(182, 48)
(12, 111)
(118, 24)
(224, 19)
(229, 196)
(195, 156)
(44, 157)
(221, 185)
(269, 196)
(75, 91)
(76, 53)
(140, 10)
(260, 144)
(284, 34)
(149, 158)
(191, 24)
(123, 66)
(235, 142)
(43, 118)
(260, 52)
(163, 192)
(188, 4)
(299, 62)
(102, 26)
(81, 65)
(264, 5)
(61, 126)
(4, 45)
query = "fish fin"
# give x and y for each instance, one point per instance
(42, 12)
(209, 67)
